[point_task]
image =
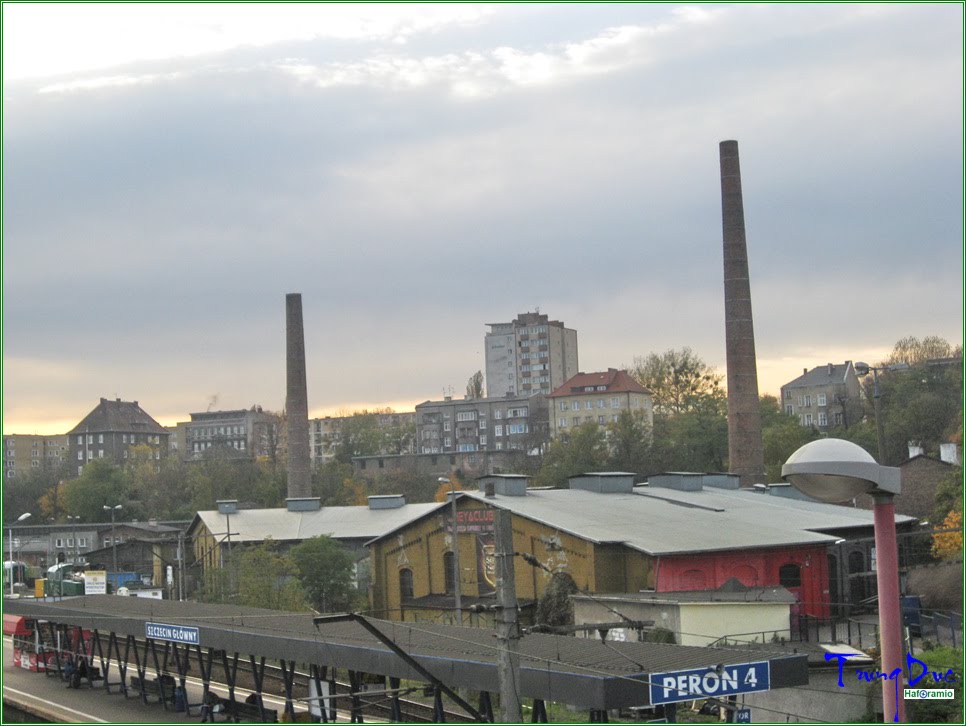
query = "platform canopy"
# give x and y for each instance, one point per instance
(583, 672)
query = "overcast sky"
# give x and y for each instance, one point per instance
(170, 172)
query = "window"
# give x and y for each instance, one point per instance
(517, 428)
(498, 414)
(70, 541)
(446, 425)
(100, 453)
(466, 416)
(615, 402)
(482, 423)
(90, 454)
(838, 418)
(80, 455)
(788, 395)
(467, 447)
(125, 451)
(790, 409)
(100, 438)
(449, 573)
(601, 388)
(58, 543)
(600, 403)
(600, 420)
(822, 419)
(405, 585)
(821, 399)
(517, 412)
(561, 423)
(790, 575)
(588, 404)
(807, 400)
(80, 439)
(123, 438)
(82, 541)
(483, 440)
(807, 419)
(90, 438)
(562, 405)
(576, 405)
(498, 430)
(447, 441)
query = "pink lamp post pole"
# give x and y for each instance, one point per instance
(890, 616)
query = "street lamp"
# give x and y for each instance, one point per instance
(835, 471)
(13, 563)
(112, 510)
(73, 518)
(862, 369)
(457, 585)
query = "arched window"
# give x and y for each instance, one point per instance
(790, 575)
(448, 574)
(405, 585)
(856, 562)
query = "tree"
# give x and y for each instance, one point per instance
(324, 568)
(267, 578)
(949, 544)
(555, 607)
(679, 380)
(782, 436)
(949, 494)
(25, 493)
(913, 351)
(100, 483)
(694, 440)
(474, 386)
(582, 450)
(629, 441)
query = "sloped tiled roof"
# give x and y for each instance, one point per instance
(118, 415)
(616, 382)
(826, 375)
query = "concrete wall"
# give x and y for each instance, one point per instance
(703, 623)
(822, 700)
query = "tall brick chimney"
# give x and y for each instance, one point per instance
(296, 401)
(745, 448)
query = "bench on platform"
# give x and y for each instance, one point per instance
(152, 687)
(240, 710)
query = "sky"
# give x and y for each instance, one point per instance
(416, 172)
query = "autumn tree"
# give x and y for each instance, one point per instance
(679, 380)
(781, 435)
(948, 543)
(629, 443)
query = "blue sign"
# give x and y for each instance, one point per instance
(698, 683)
(743, 715)
(173, 633)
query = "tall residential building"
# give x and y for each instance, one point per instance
(23, 453)
(530, 355)
(825, 396)
(597, 398)
(111, 430)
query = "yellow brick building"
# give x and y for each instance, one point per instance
(412, 577)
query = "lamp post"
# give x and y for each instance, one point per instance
(13, 563)
(73, 518)
(862, 369)
(112, 510)
(834, 470)
(457, 585)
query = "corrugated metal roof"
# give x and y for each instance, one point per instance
(359, 522)
(580, 671)
(679, 522)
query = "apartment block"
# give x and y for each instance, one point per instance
(23, 453)
(326, 433)
(598, 398)
(247, 433)
(530, 355)
(482, 424)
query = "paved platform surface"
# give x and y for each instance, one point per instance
(49, 697)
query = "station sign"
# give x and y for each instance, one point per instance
(689, 685)
(172, 633)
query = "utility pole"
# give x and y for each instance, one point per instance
(457, 574)
(508, 632)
